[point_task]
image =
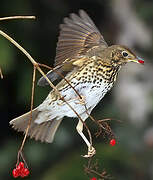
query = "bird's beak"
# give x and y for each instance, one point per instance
(137, 60)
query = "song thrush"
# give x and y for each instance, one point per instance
(90, 66)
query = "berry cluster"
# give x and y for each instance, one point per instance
(20, 170)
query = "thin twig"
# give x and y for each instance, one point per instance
(30, 119)
(100, 124)
(1, 74)
(17, 17)
(92, 118)
(92, 168)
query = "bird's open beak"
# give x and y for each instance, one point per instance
(137, 60)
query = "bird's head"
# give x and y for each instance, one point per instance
(120, 55)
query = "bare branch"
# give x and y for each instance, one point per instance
(32, 100)
(92, 168)
(17, 17)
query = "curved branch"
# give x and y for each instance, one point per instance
(17, 17)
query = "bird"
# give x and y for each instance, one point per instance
(89, 67)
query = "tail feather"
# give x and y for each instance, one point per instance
(20, 123)
(44, 132)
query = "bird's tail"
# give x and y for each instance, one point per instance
(44, 131)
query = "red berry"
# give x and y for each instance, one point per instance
(15, 173)
(22, 175)
(25, 172)
(18, 168)
(93, 178)
(112, 142)
(21, 165)
(141, 61)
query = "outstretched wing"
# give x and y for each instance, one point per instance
(78, 34)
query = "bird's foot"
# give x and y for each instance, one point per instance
(91, 152)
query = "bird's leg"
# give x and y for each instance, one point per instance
(91, 149)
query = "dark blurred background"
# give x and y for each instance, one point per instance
(128, 22)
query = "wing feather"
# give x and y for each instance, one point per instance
(78, 34)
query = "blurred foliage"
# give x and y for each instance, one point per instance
(7, 62)
(62, 160)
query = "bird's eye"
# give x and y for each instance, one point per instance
(125, 54)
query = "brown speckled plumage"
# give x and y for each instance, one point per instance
(89, 64)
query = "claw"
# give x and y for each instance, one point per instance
(91, 152)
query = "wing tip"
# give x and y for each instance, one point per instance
(81, 12)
